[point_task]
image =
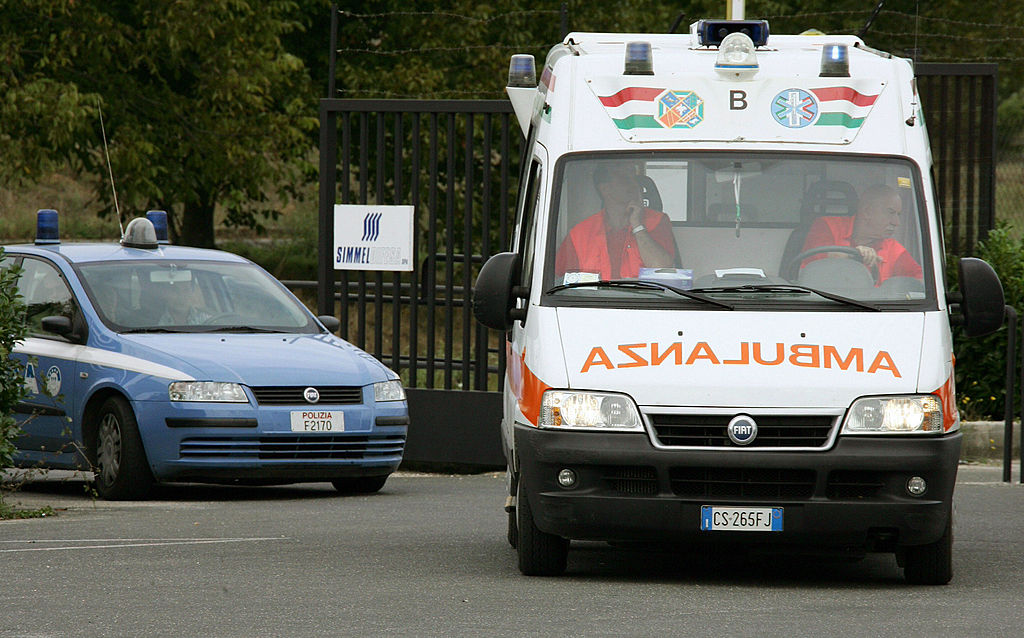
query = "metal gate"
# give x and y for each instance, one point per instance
(457, 162)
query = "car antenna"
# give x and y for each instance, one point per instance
(110, 171)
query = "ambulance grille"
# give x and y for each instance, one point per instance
(292, 448)
(636, 480)
(709, 430)
(293, 395)
(854, 484)
(747, 483)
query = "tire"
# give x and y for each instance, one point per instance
(930, 564)
(540, 553)
(360, 485)
(512, 532)
(120, 470)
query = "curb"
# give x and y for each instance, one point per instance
(983, 440)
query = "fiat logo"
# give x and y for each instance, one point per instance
(311, 395)
(742, 430)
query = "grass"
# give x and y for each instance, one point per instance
(8, 512)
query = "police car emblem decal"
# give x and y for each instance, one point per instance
(680, 109)
(311, 395)
(794, 108)
(742, 430)
(53, 381)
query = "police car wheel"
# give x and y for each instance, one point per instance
(540, 553)
(930, 564)
(120, 471)
(360, 485)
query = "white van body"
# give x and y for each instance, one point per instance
(736, 394)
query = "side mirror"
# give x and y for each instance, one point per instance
(331, 323)
(60, 325)
(494, 294)
(983, 304)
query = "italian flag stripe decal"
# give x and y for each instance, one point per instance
(628, 94)
(843, 106)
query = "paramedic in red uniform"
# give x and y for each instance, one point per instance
(870, 232)
(623, 237)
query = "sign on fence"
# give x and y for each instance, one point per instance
(373, 237)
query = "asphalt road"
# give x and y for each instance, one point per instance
(428, 557)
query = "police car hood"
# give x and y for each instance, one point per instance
(260, 359)
(753, 359)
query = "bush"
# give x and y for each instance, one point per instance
(981, 361)
(12, 381)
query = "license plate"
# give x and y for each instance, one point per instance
(740, 519)
(318, 421)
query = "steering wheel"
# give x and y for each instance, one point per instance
(792, 267)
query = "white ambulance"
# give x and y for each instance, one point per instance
(725, 309)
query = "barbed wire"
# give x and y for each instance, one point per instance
(444, 14)
(945, 36)
(467, 47)
(955, 22)
(423, 96)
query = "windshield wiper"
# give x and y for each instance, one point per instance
(643, 285)
(237, 329)
(792, 288)
(152, 329)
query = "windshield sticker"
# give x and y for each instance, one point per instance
(802, 355)
(646, 107)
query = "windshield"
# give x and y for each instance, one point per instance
(797, 229)
(192, 296)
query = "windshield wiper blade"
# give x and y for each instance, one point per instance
(237, 329)
(152, 329)
(641, 284)
(794, 288)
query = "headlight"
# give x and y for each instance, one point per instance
(920, 414)
(211, 391)
(588, 410)
(388, 391)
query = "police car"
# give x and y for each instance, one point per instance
(147, 362)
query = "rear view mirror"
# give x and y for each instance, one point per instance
(983, 303)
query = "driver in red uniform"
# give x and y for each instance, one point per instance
(623, 237)
(870, 232)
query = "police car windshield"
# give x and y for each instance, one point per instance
(192, 296)
(851, 227)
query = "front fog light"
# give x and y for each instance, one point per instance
(918, 414)
(567, 478)
(916, 486)
(207, 391)
(588, 410)
(388, 391)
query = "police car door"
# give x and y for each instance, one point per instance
(50, 361)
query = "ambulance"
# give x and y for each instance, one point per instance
(725, 311)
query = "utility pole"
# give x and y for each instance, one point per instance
(734, 10)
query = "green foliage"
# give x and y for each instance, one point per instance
(981, 361)
(12, 330)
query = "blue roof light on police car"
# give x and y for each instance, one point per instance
(522, 71)
(47, 226)
(139, 234)
(835, 61)
(736, 56)
(639, 59)
(159, 219)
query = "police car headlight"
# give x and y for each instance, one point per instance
(921, 414)
(388, 391)
(589, 411)
(209, 391)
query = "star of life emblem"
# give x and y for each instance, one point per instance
(680, 109)
(794, 108)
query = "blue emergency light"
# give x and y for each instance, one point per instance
(835, 61)
(159, 219)
(522, 71)
(639, 60)
(710, 33)
(47, 226)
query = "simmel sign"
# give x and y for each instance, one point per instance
(372, 237)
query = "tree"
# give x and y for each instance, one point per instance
(202, 104)
(12, 381)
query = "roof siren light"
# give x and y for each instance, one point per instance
(139, 233)
(159, 220)
(639, 60)
(47, 226)
(835, 61)
(736, 55)
(712, 33)
(522, 71)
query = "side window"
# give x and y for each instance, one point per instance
(528, 239)
(45, 294)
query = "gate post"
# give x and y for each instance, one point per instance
(328, 179)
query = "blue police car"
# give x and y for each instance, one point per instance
(148, 362)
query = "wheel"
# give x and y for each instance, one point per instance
(930, 564)
(540, 553)
(360, 485)
(121, 471)
(791, 268)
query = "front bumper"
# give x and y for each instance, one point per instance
(852, 495)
